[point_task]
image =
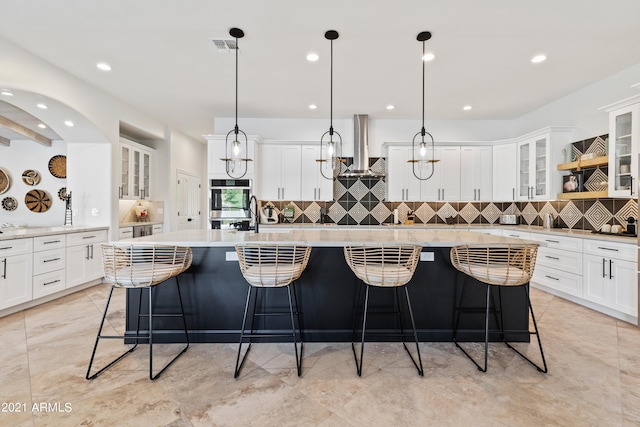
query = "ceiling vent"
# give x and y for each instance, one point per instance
(225, 45)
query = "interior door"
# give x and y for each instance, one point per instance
(188, 194)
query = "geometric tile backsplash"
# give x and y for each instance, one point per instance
(360, 201)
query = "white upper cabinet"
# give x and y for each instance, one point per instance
(475, 173)
(314, 185)
(624, 120)
(538, 156)
(135, 170)
(216, 151)
(402, 185)
(504, 172)
(279, 172)
(445, 182)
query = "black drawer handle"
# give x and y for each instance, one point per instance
(551, 277)
(6, 247)
(50, 283)
(51, 241)
(89, 237)
(607, 249)
(552, 241)
(552, 257)
(52, 259)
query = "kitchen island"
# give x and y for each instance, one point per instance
(214, 290)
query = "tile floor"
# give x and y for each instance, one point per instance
(593, 379)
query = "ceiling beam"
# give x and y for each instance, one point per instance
(16, 127)
(4, 141)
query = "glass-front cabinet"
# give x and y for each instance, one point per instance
(135, 170)
(623, 150)
(537, 156)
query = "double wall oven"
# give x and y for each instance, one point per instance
(229, 201)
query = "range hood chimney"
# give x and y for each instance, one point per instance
(360, 167)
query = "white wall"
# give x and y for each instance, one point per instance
(17, 158)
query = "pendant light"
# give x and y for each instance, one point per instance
(234, 144)
(425, 150)
(333, 138)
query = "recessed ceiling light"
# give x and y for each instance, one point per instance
(43, 106)
(42, 126)
(103, 66)
(467, 107)
(538, 58)
(6, 93)
(313, 106)
(390, 107)
(428, 57)
(68, 123)
(312, 57)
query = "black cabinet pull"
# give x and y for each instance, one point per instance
(551, 277)
(51, 283)
(552, 257)
(603, 266)
(607, 249)
(610, 268)
(51, 241)
(4, 269)
(89, 237)
(552, 241)
(52, 259)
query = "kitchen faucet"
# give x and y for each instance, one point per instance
(255, 212)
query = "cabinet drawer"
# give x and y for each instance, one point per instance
(559, 280)
(48, 283)
(45, 243)
(623, 251)
(15, 247)
(517, 234)
(562, 260)
(158, 228)
(86, 237)
(125, 232)
(46, 261)
(559, 242)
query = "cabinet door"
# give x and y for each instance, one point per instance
(270, 172)
(396, 173)
(16, 278)
(475, 169)
(504, 172)
(313, 185)
(145, 175)
(76, 264)
(596, 279)
(135, 173)
(623, 154)
(624, 289)
(540, 166)
(291, 172)
(524, 164)
(447, 172)
(125, 161)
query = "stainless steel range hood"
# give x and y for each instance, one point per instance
(360, 166)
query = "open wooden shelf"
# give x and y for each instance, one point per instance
(583, 195)
(581, 164)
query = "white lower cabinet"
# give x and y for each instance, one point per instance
(610, 276)
(84, 257)
(16, 272)
(49, 263)
(157, 228)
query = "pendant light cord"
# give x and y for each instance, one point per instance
(235, 129)
(423, 131)
(331, 95)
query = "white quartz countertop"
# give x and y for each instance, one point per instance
(325, 237)
(584, 234)
(137, 223)
(26, 232)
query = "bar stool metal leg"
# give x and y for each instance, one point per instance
(293, 333)
(415, 337)
(364, 327)
(240, 364)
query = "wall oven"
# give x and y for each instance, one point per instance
(229, 202)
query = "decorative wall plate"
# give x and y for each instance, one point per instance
(9, 203)
(58, 166)
(5, 182)
(62, 194)
(31, 177)
(37, 201)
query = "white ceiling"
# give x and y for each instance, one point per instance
(164, 63)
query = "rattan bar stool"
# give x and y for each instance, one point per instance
(498, 265)
(271, 266)
(386, 267)
(142, 266)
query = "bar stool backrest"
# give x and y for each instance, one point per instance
(497, 264)
(386, 266)
(134, 265)
(272, 265)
